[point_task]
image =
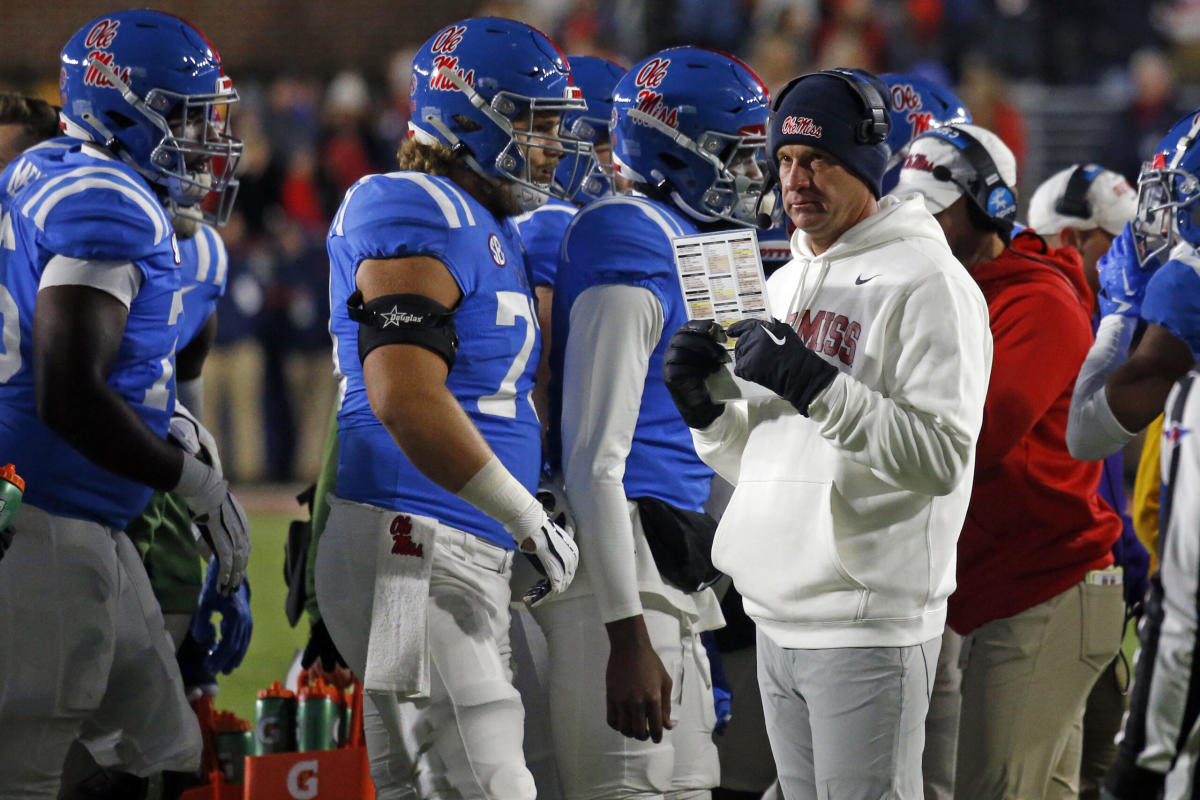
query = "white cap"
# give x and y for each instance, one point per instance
(1108, 200)
(929, 150)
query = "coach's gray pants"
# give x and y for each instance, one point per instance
(847, 723)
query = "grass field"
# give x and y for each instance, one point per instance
(274, 643)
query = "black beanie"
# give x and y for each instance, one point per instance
(824, 111)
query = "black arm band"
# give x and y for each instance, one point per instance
(404, 319)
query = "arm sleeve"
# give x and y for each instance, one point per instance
(602, 396)
(1032, 364)
(1093, 432)
(920, 435)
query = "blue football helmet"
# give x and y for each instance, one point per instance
(596, 77)
(476, 87)
(691, 123)
(918, 105)
(1168, 188)
(150, 88)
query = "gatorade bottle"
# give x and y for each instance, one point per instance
(274, 721)
(318, 717)
(12, 487)
(234, 741)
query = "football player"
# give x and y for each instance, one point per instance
(90, 286)
(917, 105)
(436, 340)
(624, 644)
(580, 180)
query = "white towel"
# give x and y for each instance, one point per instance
(398, 648)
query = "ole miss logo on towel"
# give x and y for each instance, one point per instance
(402, 542)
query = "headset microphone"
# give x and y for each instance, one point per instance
(765, 220)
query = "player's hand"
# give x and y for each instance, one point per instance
(638, 688)
(219, 518)
(693, 353)
(1122, 279)
(236, 623)
(553, 498)
(770, 353)
(322, 659)
(186, 433)
(552, 550)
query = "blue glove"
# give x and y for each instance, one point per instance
(1122, 280)
(236, 623)
(770, 353)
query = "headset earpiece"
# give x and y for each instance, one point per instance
(1074, 201)
(986, 190)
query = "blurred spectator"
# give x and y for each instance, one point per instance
(853, 35)
(717, 24)
(299, 193)
(300, 387)
(1152, 109)
(349, 148)
(984, 91)
(233, 371)
(393, 121)
(777, 58)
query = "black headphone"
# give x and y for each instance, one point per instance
(991, 198)
(1074, 202)
(875, 126)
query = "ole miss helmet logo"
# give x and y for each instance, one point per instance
(99, 39)
(652, 74)
(448, 40)
(446, 43)
(800, 126)
(102, 33)
(905, 97)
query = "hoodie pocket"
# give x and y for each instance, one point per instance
(776, 541)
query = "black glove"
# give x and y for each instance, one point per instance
(770, 353)
(321, 646)
(694, 353)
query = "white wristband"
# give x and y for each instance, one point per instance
(495, 492)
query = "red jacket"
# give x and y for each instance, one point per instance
(1036, 524)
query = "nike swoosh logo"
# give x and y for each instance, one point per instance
(773, 337)
(860, 280)
(187, 289)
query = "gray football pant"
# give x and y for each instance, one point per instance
(847, 723)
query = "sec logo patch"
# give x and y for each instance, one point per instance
(497, 250)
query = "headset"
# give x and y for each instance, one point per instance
(1074, 202)
(992, 199)
(872, 129)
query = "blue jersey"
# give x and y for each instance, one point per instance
(405, 214)
(542, 233)
(627, 240)
(1173, 297)
(63, 201)
(202, 276)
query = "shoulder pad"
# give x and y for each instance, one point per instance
(627, 236)
(402, 213)
(542, 232)
(204, 258)
(97, 212)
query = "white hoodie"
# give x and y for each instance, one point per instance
(842, 528)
